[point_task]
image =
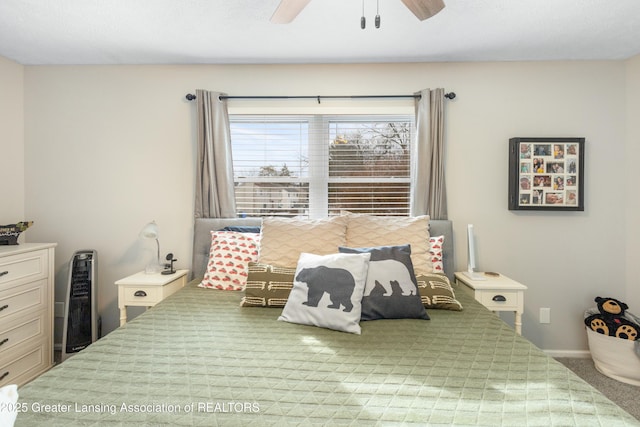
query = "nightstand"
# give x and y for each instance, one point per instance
(146, 290)
(498, 293)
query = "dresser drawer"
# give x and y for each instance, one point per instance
(28, 365)
(23, 267)
(26, 311)
(21, 330)
(499, 300)
(18, 300)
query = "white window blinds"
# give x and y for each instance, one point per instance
(315, 165)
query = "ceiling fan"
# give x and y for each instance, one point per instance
(288, 9)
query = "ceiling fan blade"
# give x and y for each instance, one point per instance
(287, 11)
(424, 9)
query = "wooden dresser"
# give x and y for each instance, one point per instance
(26, 311)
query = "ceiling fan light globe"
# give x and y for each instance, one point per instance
(424, 9)
(287, 11)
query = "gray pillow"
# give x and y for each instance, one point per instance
(391, 290)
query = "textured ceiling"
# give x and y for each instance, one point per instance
(327, 31)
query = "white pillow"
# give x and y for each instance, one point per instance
(327, 291)
(8, 405)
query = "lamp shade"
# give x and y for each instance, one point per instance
(150, 231)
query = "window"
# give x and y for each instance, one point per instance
(316, 166)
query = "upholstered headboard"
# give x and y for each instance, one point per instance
(203, 227)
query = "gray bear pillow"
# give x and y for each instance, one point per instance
(391, 290)
(327, 291)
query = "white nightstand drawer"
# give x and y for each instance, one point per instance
(29, 266)
(30, 296)
(142, 295)
(146, 290)
(496, 292)
(499, 300)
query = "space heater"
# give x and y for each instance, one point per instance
(81, 321)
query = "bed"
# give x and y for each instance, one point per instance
(198, 358)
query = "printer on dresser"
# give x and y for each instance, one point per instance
(26, 311)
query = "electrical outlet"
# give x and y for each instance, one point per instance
(545, 315)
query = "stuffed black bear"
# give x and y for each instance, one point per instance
(611, 321)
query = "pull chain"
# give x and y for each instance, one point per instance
(363, 19)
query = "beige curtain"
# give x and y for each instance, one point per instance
(428, 191)
(215, 196)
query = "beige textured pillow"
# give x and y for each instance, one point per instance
(284, 239)
(365, 231)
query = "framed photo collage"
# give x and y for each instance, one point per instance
(546, 174)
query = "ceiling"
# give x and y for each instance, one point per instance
(326, 31)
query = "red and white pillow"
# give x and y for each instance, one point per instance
(435, 252)
(229, 259)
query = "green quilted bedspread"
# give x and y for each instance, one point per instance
(200, 359)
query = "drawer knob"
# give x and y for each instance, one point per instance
(4, 307)
(3, 376)
(499, 298)
(3, 273)
(140, 294)
(4, 341)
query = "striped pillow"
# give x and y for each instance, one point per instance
(436, 292)
(267, 285)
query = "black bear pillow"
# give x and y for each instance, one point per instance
(391, 289)
(327, 291)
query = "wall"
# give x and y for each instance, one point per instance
(11, 143)
(109, 148)
(632, 180)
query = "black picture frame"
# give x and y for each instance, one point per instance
(546, 174)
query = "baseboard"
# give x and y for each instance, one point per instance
(581, 354)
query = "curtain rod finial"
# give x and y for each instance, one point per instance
(190, 97)
(450, 95)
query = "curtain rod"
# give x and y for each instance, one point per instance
(191, 97)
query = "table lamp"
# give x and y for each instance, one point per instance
(150, 231)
